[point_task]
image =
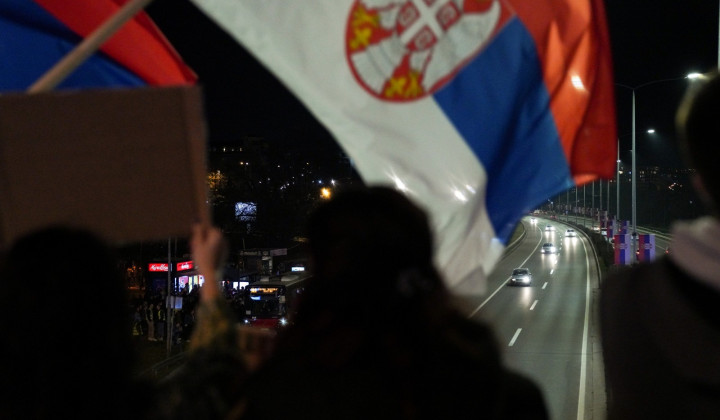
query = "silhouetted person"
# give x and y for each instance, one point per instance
(376, 335)
(150, 316)
(66, 346)
(661, 320)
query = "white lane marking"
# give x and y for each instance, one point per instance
(583, 367)
(551, 271)
(505, 282)
(583, 352)
(533, 305)
(517, 333)
(544, 285)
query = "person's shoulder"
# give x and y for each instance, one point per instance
(533, 405)
(635, 278)
(628, 292)
(468, 333)
(625, 271)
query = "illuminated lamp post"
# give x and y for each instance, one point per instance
(690, 76)
(617, 186)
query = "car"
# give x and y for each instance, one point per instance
(549, 248)
(521, 276)
(549, 228)
(533, 220)
(570, 233)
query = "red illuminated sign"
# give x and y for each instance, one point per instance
(158, 267)
(186, 265)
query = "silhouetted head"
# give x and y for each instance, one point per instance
(374, 231)
(698, 127)
(66, 324)
(372, 244)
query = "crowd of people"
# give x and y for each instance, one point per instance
(68, 352)
(150, 320)
(150, 317)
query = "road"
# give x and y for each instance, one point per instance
(548, 330)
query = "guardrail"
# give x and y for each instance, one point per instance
(588, 223)
(164, 368)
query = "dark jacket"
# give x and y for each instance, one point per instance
(661, 341)
(389, 373)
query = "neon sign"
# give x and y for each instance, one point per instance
(158, 267)
(185, 265)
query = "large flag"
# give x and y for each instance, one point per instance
(479, 109)
(36, 34)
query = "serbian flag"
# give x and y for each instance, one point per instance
(479, 110)
(36, 34)
(622, 246)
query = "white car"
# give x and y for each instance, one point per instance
(521, 276)
(570, 233)
(549, 248)
(549, 228)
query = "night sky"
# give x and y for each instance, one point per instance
(241, 97)
(651, 40)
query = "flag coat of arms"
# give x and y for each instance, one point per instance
(36, 34)
(479, 110)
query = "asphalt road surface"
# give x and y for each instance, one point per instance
(548, 330)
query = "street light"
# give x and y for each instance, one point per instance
(592, 205)
(690, 76)
(607, 205)
(617, 185)
(577, 204)
(567, 205)
(584, 206)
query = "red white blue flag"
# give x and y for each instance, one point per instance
(479, 110)
(623, 256)
(36, 34)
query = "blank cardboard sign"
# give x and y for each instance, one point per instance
(129, 164)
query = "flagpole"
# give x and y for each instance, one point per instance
(87, 47)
